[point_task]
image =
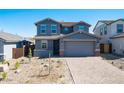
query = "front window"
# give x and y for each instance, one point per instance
(81, 28)
(119, 28)
(105, 30)
(44, 44)
(54, 28)
(43, 28)
(65, 29)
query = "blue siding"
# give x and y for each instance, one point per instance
(76, 27)
(48, 31)
(64, 31)
(40, 52)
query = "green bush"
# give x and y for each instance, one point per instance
(17, 65)
(4, 75)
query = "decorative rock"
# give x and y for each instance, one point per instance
(112, 62)
(18, 71)
(4, 68)
(45, 70)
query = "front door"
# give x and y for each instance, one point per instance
(56, 47)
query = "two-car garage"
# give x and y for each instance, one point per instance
(79, 48)
(79, 44)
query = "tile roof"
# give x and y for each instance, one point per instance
(110, 21)
(67, 23)
(10, 37)
(107, 21)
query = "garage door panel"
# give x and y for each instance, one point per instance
(74, 48)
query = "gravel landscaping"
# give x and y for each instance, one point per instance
(115, 60)
(38, 71)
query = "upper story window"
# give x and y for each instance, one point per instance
(101, 31)
(65, 29)
(54, 28)
(119, 28)
(81, 28)
(44, 44)
(43, 28)
(105, 30)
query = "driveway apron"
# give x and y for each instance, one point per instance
(94, 70)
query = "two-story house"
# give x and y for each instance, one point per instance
(64, 39)
(111, 33)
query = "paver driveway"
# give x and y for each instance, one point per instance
(94, 70)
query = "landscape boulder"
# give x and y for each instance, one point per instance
(4, 68)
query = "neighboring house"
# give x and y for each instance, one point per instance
(64, 39)
(7, 42)
(111, 32)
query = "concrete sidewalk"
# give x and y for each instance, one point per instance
(94, 70)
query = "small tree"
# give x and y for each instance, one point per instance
(30, 54)
(17, 65)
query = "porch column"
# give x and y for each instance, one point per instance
(61, 50)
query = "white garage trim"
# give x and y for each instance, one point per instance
(79, 40)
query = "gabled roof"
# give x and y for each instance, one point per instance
(107, 22)
(46, 19)
(63, 23)
(10, 37)
(75, 32)
(63, 36)
(68, 24)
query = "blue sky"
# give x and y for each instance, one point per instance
(22, 21)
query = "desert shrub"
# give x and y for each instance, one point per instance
(58, 61)
(120, 67)
(6, 62)
(4, 75)
(17, 65)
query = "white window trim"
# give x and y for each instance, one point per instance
(44, 41)
(41, 29)
(80, 29)
(56, 28)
